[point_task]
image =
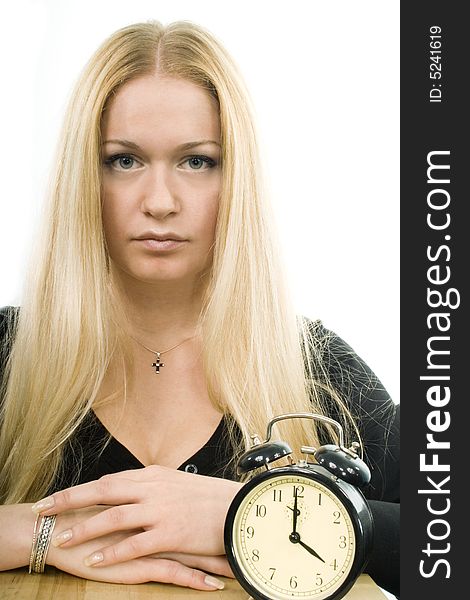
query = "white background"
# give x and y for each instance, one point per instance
(324, 78)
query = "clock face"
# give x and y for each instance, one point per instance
(293, 538)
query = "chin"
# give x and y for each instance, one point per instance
(163, 275)
(154, 272)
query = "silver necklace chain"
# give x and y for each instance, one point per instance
(158, 364)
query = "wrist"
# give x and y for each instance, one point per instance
(16, 535)
(25, 519)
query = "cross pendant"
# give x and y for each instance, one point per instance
(157, 364)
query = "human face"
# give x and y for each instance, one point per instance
(161, 179)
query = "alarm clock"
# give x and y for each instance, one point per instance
(303, 530)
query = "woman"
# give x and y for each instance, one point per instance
(156, 327)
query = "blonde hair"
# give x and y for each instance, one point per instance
(260, 359)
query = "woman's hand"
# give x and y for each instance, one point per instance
(165, 568)
(177, 568)
(166, 510)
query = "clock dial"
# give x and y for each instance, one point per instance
(293, 538)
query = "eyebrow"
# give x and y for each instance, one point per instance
(185, 146)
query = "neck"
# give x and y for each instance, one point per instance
(162, 314)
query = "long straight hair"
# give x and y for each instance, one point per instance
(260, 358)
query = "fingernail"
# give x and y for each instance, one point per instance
(62, 537)
(213, 582)
(44, 504)
(94, 558)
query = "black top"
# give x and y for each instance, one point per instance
(377, 417)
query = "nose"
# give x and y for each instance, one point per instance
(159, 197)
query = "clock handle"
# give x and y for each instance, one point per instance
(313, 416)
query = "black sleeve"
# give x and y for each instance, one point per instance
(378, 420)
(384, 564)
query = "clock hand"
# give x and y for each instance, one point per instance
(294, 524)
(296, 512)
(294, 536)
(311, 550)
(295, 539)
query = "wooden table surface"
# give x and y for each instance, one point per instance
(56, 585)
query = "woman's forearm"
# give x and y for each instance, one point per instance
(16, 534)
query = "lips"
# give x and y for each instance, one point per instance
(160, 236)
(160, 241)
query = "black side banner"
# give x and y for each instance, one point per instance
(434, 300)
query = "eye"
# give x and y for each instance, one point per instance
(125, 162)
(196, 163)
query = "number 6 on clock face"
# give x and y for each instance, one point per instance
(292, 533)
